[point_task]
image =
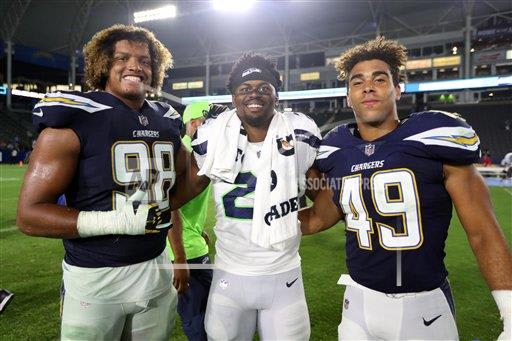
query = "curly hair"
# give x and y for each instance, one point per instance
(388, 51)
(99, 51)
(248, 60)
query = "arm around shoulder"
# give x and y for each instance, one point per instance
(188, 183)
(322, 215)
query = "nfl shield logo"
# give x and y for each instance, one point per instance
(143, 120)
(346, 303)
(369, 149)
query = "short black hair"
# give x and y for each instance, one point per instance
(248, 60)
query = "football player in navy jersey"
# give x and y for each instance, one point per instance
(393, 182)
(115, 156)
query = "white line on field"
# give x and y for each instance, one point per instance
(9, 197)
(9, 229)
(10, 179)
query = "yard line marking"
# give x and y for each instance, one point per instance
(10, 179)
(508, 191)
(9, 229)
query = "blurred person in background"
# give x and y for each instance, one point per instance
(193, 286)
(507, 164)
(486, 159)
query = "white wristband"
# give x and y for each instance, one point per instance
(121, 221)
(503, 300)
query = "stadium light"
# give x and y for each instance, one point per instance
(155, 14)
(232, 5)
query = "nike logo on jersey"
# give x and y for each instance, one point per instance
(429, 322)
(291, 283)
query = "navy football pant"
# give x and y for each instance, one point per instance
(192, 304)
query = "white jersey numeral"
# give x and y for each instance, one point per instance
(405, 207)
(356, 215)
(132, 163)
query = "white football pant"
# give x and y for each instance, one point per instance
(147, 320)
(274, 304)
(372, 315)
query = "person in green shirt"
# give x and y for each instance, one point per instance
(192, 286)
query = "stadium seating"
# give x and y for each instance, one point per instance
(488, 119)
(16, 126)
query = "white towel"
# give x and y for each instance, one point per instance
(270, 227)
(223, 159)
(277, 207)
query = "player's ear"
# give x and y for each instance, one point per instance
(348, 100)
(398, 90)
(233, 101)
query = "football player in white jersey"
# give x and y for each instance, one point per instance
(257, 286)
(397, 182)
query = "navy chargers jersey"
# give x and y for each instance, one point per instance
(119, 148)
(391, 190)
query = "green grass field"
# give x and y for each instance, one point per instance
(31, 268)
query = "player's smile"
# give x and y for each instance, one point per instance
(133, 78)
(254, 106)
(130, 72)
(255, 101)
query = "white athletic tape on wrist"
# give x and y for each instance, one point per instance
(121, 221)
(503, 300)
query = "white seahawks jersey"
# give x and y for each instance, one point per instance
(234, 203)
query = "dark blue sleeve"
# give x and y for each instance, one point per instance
(447, 137)
(326, 155)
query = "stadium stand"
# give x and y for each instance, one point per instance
(489, 121)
